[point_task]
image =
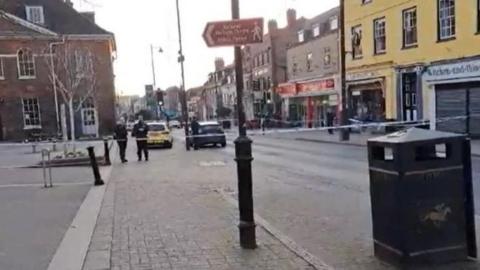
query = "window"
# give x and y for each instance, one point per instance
(379, 35)
(26, 64)
(269, 82)
(316, 30)
(294, 66)
(262, 57)
(301, 36)
(478, 16)
(409, 27)
(357, 42)
(446, 19)
(2, 72)
(334, 23)
(309, 61)
(268, 56)
(31, 113)
(327, 57)
(35, 14)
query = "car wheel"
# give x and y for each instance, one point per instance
(170, 145)
(224, 145)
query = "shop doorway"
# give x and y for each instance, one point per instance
(367, 105)
(409, 97)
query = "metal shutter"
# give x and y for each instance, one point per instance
(475, 112)
(451, 103)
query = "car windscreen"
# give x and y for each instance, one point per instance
(156, 127)
(211, 129)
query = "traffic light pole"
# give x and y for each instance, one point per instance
(344, 133)
(181, 59)
(243, 156)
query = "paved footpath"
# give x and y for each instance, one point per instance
(166, 214)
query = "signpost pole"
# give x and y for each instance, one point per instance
(243, 156)
(344, 133)
(181, 60)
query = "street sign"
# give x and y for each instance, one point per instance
(234, 33)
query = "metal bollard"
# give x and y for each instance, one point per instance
(34, 148)
(107, 152)
(93, 162)
(46, 154)
(54, 146)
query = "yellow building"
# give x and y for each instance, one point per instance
(414, 59)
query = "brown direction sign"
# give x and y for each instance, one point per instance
(234, 33)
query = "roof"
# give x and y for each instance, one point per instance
(13, 27)
(59, 17)
(415, 135)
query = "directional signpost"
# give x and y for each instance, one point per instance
(238, 33)
(234, 33)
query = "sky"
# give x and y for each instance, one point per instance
(154, 22)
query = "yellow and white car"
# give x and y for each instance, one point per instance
(159, 135)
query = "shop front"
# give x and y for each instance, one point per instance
(454, 89)
(366, 98)
(307, 103)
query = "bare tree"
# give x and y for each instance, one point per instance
(73, 73)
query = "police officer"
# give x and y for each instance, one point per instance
(195, 126)
(121, 135)
(140, 132)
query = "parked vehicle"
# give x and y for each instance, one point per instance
(210, 133)
(174, 124)
(159, 135)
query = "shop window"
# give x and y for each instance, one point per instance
(379, 35)
(410, 27)
(31, 113)
(357, 42)
(446, 19)
(309, 61)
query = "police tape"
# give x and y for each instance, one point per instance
(362, 126)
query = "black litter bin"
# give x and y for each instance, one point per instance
(422, 197)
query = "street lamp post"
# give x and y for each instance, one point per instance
(160, 50)
(344, 132)
(243, 156)
(181, 60)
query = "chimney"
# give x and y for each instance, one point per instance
(272, 26)
(69, 3)
(219, 64)
(90, 15)
(291, 17)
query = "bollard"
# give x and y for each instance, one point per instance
(54, 146)
(50, 168)
(107, 152)
(44, 167)
(34, 148)
(93, 162)
(46, 154)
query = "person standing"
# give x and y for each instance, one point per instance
(195, 126)
(140, 132)
(330, 118)
(121, 135)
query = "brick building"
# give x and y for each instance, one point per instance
(313, 85)
(33, 35)
(265, 64)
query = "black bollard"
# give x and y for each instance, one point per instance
(93, 162)
(107, 152)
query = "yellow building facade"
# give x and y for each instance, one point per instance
(410, 59)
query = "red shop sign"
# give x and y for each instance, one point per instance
(320, 85)
(287, 90)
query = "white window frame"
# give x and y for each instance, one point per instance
(37, 105)
(357, 30)
(446, 20)
(316, 29)
(26, 62)
(333, 23)
(410, 26)
(309, 61)
(2, 70)
(380, 34)
(301, 36)
(41, 16)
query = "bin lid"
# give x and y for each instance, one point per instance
(415, 135)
